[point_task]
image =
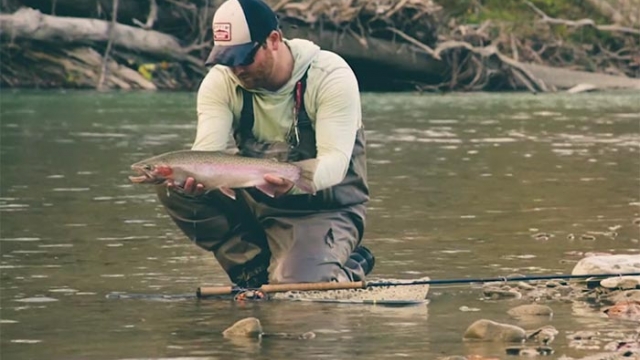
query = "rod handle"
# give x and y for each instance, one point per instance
(204, 291)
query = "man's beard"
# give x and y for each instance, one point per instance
(259, 76)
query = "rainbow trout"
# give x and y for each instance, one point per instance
(222, 171)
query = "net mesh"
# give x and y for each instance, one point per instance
(392, 293)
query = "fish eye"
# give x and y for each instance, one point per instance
(148, 167)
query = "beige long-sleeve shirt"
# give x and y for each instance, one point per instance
(332, 101)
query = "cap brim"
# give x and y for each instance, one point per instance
(229, 55)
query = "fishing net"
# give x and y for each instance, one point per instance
(394, 293)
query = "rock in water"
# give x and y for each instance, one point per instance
(624, 310)
(608, 264)
(544, 335)
(248, 327)
(621, 283)
(530, 310)
(487, 330)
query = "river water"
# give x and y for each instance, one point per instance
(462, 186)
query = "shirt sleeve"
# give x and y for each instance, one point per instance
(215, 116)
(338, 117)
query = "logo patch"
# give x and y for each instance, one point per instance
(222, 32)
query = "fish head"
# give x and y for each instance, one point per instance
(150, 173)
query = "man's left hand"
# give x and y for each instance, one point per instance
(282, 186)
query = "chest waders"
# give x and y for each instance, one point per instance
(292, 238)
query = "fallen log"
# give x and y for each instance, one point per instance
(396, 58)
(166, 14)
(31, 24)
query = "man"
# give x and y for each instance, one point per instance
(289, 100)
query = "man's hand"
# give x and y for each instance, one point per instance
(281, 186)
(191, 187)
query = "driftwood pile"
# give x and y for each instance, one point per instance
(406, 44)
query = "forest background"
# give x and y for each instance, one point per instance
(424, 45)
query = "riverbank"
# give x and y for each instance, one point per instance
(461, 45)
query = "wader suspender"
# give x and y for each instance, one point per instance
(300, 127)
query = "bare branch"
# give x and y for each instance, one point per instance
(415, 42)
(151, 19)
(105, 58)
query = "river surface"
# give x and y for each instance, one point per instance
(462, 186)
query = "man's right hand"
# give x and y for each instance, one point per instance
(191, 187)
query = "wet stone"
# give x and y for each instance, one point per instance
(251, 328)
(525, 286)
(621, 282)
(544, 335)
(564, 290)
(626, 310)
(621, 345)
(583, 335)
(607, 264)
(247, 327)
(306, 336)
(530, 310)
(553, 284)
(494, 293)
(529, 351)
(487, 330)
(619, 296)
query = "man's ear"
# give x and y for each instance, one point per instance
(274, 39)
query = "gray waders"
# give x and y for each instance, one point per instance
(292, 238)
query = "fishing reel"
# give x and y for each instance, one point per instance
(250, 295)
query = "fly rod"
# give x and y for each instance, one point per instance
(206, 291)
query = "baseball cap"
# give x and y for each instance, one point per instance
(239, 27)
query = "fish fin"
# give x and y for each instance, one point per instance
(267, 188)
(307, 173)
(228, 191)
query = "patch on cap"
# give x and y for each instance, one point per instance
(222, 32)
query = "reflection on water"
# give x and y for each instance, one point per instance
(468, 185)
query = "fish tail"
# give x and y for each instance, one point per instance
(307, 173)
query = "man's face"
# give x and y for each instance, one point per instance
(257, 74)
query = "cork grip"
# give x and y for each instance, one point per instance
(226, 290)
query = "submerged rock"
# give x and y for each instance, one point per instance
(487, 330)
(251, 328)
(495, 293)
(530, 310)
(306, 336)
(528, 351)
(618, 355)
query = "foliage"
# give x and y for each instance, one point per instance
(477, 11)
